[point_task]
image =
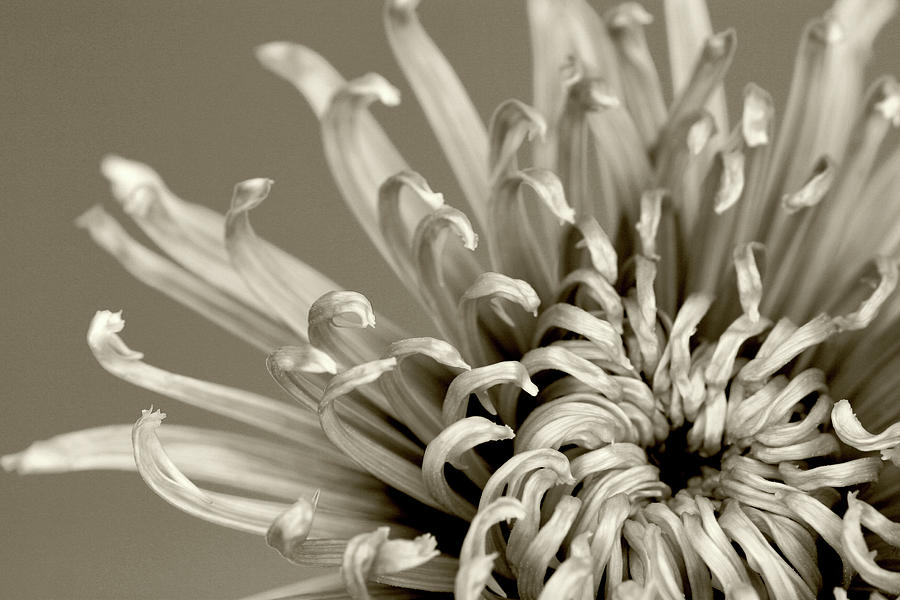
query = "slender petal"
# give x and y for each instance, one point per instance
(441, 95)
(253, 326)
(123, 362)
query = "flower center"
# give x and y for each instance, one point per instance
(677, 464)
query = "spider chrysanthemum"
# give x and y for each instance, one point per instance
(658, 381)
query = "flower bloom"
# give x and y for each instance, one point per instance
(625, 401)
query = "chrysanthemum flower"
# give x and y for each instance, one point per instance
(623, 402)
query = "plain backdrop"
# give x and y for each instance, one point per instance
(175, 84)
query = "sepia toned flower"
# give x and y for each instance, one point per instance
(667, 356)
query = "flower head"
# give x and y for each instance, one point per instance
(658, 380)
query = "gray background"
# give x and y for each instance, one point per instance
(174, 84)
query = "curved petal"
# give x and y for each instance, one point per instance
(446, 103)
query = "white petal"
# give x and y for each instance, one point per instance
(640, 81)
(446, 104)
(390, 464)
(687, 29)
(164, 478)
(475, 564)
(452, 446)
(283, 284)
(262, 412)
(858, 552)
(478, 381)
(190, 234)
(371, 554)
(850, 430)
(544, 545)
(394, 229)
(253, 326)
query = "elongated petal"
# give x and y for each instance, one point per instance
(396, 232)
(674, 531)
(294, 369)
(858, 552)
(190, 234)
(493, 330)
(573, 319)
(586, 420)
(640, 82)
(319, 587)
(557, 358)
(360, 155)
(511, 474)
(766, 363)
(385, 463)
(478, 381)
(291, 528)
(237, 461)
(445, 270)
(512, 124)
(370, 554)
(828, 83)
(416, 386)
(544, 546)
(164, 478)
(676, 359)
(253, 326)
(286, 286)
(475, 564)
(781, 580)
(436, 575)
(824, 522)
(593, 290)
(303, 68)
(343, 324)
(526, 243)
(446, 104)
(845, 474)
(267, 414)
(561, 30)
(709, 65)
(688, 27)
(452, 446)
(850, 430)
(589, 238)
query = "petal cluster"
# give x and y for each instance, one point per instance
(650, 322)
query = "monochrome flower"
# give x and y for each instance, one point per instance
(660, 380)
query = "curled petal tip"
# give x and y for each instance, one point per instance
(291, 528)
(757, 116)
(273, 55)
(125, 175)
(343, 309)
(354, 377)
(454, 220)
(151, 417)
(103, 336)
(628, 14)
(815, 188)
(402, 6)
(700, 133)
(11, 462)
(719, 44)
(889, 103)
(827, 30)
(307, 359)
(250, 193)
(140, 201)
(593, 94)
(373, 86)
